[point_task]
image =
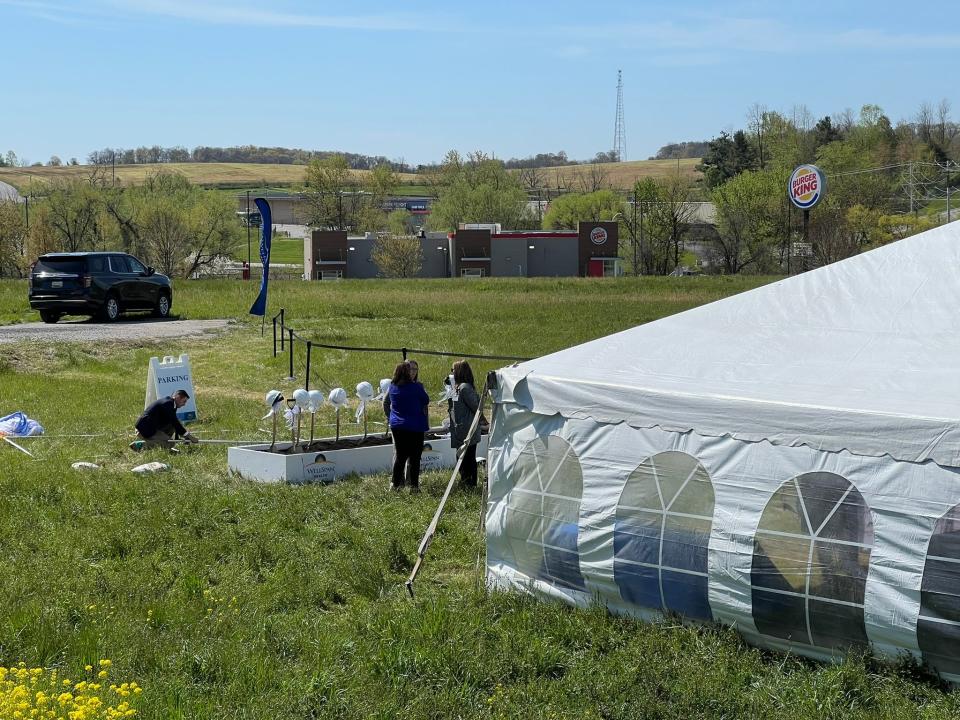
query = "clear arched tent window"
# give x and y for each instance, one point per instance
(811, 555)
(938, 627)
(662, 533)
(543, 511)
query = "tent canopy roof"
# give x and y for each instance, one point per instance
(862, 355)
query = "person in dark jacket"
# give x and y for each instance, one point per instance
(159, 425)
(406, 407)
(463, 408)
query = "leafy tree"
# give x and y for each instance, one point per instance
(476, 189)
(825, 133)
(609, 156)
(165, 229)
(669, 219)
(13, 239)
(182, 227)
(166, 221)
(850, 182)
(540, 160)
(689, 149)
(567, 211)
(398, 222)
(750, 220)
(727, 157)
(331, 195)
(74, 214)
(397, 256)
(380, 185)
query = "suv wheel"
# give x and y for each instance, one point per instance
(111, 308)
(162, 308)
(49, 316)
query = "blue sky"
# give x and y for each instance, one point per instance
(413, 80)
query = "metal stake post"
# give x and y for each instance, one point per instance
(306, 382)
(290, 376)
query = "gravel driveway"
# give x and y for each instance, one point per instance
(87, 331)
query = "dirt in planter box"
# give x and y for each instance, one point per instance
(326, 444)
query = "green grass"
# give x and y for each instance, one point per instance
(228, 599)
(283, 250)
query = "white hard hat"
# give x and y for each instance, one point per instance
(302, 397)
(273, 397)
(364, 390)
(316, 400)
(338, 397)
(385, 385)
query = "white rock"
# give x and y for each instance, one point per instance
(151, 467)
(85, 466)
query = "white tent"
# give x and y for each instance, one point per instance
(786, 461)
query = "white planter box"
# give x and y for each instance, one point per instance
(255, 462)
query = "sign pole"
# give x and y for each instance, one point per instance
(805, 189)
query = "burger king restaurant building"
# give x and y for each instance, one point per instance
(590, 251)
(476, 252)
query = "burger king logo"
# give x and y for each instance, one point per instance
(806, 187)
(598, 236)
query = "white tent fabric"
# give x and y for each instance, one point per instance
(862, 355)
(786, 461)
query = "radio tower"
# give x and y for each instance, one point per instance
(619, 133)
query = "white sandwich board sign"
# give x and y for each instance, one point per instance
(166, 376)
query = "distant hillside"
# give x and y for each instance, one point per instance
(614, 175)
(207, 174)
(571, 177)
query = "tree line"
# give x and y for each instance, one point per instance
(880, 176)
(167, 222)
(239, 154)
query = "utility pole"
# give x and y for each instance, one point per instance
(636, 253)
(642, 259)
(948, 190)
(26, 208)
(911, 190)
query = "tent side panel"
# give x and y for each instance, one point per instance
(800, 550)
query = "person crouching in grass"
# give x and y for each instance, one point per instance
(159, 424)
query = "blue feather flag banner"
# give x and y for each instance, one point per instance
(259, 306)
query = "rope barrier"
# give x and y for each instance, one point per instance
(293, 334)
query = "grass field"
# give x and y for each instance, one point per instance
(619, 175)
(283, 250)
(226, 599)
(211, 174)
(241, 175)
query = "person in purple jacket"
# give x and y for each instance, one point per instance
(406, 406)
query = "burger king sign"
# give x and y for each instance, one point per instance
(598, 236)
(806, 187)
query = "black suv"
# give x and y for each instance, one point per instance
(96, 283)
